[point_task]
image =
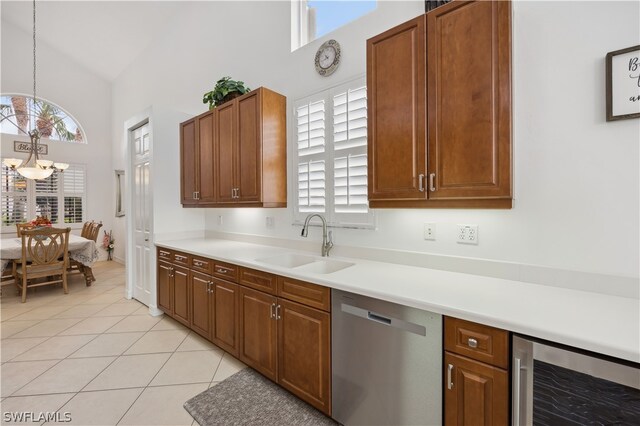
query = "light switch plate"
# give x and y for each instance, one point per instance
(429, 231)
(467, 234)
(270, 222)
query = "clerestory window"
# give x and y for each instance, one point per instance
(312, 19)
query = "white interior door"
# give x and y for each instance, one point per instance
(142, 245)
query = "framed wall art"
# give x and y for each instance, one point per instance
(623, 83)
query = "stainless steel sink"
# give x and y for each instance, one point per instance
(324, 266)
(288, 260)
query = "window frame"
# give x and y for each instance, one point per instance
(334, 219)
(31, 195)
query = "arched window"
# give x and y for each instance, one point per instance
(19, 114)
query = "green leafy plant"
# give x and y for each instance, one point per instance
(226, 89)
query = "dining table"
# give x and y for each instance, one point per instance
(80, 249)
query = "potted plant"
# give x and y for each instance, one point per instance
(225, 90)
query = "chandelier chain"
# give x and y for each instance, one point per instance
(34, 51)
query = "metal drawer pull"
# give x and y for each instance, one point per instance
(449, 379)
(221, 270)
(180, 258)
(473, 343)
(197, 263)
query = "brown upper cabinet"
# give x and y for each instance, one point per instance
(235, 155)
(440, 109)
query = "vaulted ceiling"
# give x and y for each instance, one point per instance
(104, 36)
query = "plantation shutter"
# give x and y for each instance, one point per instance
(14, 197)
(331, 156)
(311, 153)
(47, 197)
(73, 193)
(350, 146)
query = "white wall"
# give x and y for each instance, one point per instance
(577, 180)
(82, 94)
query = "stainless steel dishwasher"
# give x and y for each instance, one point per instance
(387, 362)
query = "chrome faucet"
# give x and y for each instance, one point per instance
(327, 243)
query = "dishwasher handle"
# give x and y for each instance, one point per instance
(384, 320)
(378, 318)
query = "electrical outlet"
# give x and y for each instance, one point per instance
(467, 234)
(271, 223)
(219, 220)
(429, 231)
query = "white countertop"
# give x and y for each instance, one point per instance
(596, 322)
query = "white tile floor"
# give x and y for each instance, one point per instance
(100, 357)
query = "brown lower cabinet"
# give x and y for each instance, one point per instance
(174, 291)
(287, 341)
(476, 374)
(304, 353)
(477, 393)
(259, 331)
(224, 314)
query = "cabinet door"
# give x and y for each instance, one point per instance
(304, 353)
(249, 147)
(188, 162)
(258, 332)
(206, 158)
(181, 295)
(225, 128)
(225, 327)
(396, 119)
(201, 304)
(469, 99)
(477, 394)
(164, 287)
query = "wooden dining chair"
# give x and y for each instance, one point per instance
(7, 274)
(22, 227)
(90, 231)
(46, 249)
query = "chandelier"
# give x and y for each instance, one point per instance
(34, 167)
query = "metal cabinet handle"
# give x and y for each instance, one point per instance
(421, 182)
(278, 312)
(432, 178)
(272, 314)
(237, 192)
(180, 258)
(221, 270)
(197, 263)
(210, 286)
(516, 391)
(473, 343)
(449, 378)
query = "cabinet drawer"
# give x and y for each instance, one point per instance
(306, 293)
(225, 271)
(181, 259)
(201, 264)
(477, 341)
(165, 254)
(259, 280)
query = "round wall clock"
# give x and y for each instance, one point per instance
(328, 58)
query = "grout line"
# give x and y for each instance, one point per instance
(154, 376)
